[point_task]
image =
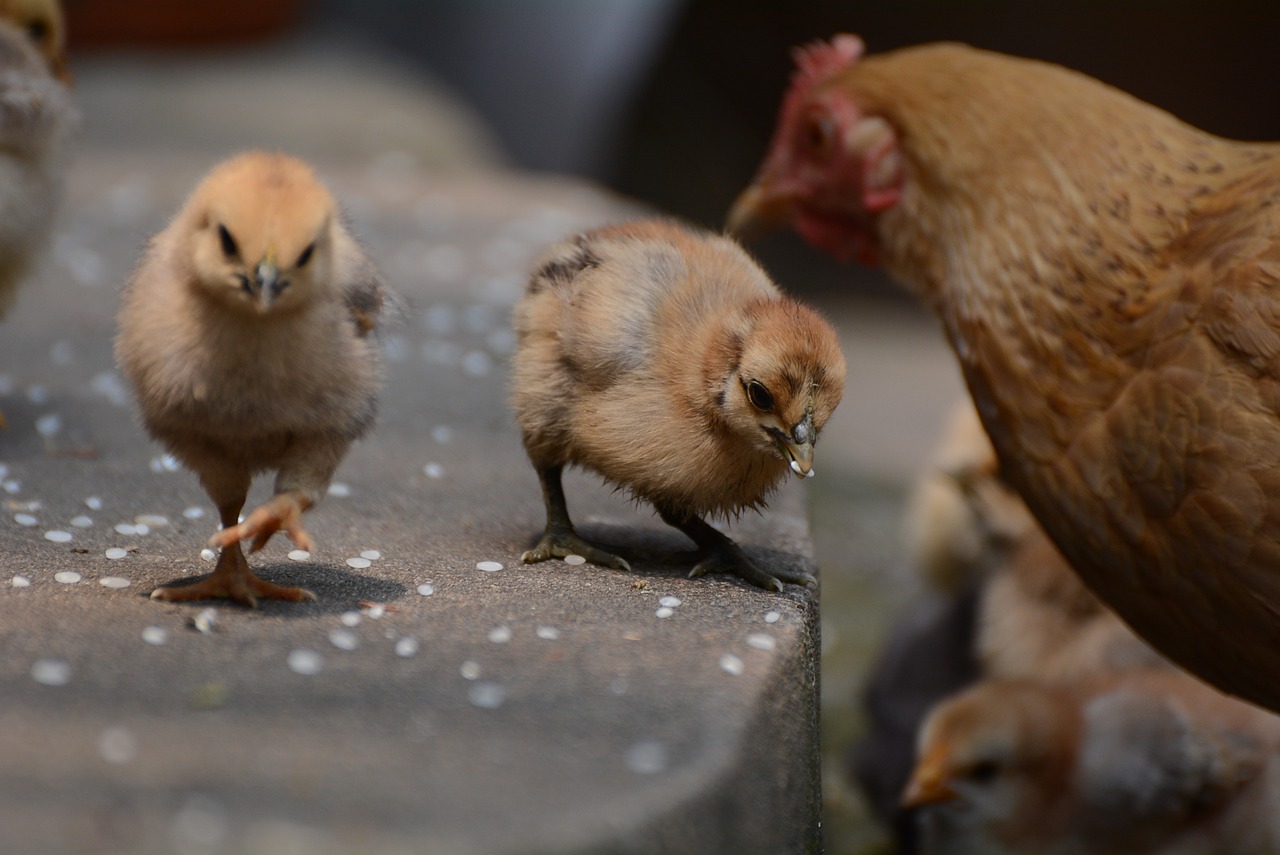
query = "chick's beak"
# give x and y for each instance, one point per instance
(928, 784)
(759, 210)
(268, 276)
(798, 448)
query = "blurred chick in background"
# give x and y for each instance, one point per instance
(244, 332)
(668, 362)
(1138, 763)
(37, 120)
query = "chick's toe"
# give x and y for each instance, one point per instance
(232, 580)
(560, 542)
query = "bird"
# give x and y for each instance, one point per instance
(38, 120)
(246, 334)
(665, 360)
(1135, 763)
(1106, 275)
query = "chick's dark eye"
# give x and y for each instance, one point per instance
(759, 396)
(984, 772)
(228, 242)
(38, 31)
(821, 132)
(305, 256)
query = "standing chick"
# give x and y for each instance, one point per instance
(244, 334)
(669, 363)
(1138, 763)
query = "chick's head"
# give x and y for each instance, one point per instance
(261, 234)
(788, 380)
(40, 21)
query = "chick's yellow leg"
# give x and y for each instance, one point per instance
(559, 539)
(722, 555)
(283, 511)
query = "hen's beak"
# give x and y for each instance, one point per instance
(798, 448)
(928, 784)
(758, 211)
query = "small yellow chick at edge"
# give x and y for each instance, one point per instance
(668, 362)
(244, 331)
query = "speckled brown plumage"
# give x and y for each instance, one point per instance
(243, 333)
(641, 349)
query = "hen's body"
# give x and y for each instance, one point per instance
(1109, 278)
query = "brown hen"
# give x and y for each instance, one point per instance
(1109, 278)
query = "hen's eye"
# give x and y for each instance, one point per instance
(985, 772)
(228, 242)
(821, 132)
(306, 255)
(759, 396)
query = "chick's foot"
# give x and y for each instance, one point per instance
(729, 558)
(282, 511)
(559, 542)
(232, 580)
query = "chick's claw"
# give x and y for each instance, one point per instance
(559, 544)
(281, 512)
(731, 559)
(232, 580)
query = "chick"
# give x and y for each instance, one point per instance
(244, 332)
(1137, 763)
(37, 120)
(667, 362)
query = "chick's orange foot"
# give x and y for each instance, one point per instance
(232, 580)
(560, 542)
(282, 511)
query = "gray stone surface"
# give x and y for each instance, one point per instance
(625, 732)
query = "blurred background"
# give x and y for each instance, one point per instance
(672, 103)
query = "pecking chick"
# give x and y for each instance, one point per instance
(244, 332)
(667, 362)
(1138, 763)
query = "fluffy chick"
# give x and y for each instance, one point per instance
(244, 334)
(668, 362)
(1141, 763)
(37, 120)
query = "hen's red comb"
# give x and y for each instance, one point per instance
(818, 60)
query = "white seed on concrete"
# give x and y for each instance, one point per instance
(761, 641)
(574, 560)
(155, 635)
(81, 521)
(358, 563)
(305, 662)
(406, 646)
(62, 353)
(51, 672)
(549, 633)
(619, 686)
(200, 826)
(375, 611)
(12, 486)
(115, 553)
(38, 394)
(670, 601)
(116, 582)
(344, 639)
(151, 520)
(205, 621)
(665, 612)
(299, 555)
(339, 489)
(647, 757)
(489, 566)
(772, 617)
(127, 529)
(193, 512)
(442, 433)
(93, 503)
(500, 634)
(20, 582)
(371, 555)
(487, 696)
(58, 536)
(433, 470)
(470, 670)
(48, 424)
(67, 577)
(141, 529)
(26, 520)
(477, 363)
(208, 554)
(731, 664)
(117, 745)
(426, 589)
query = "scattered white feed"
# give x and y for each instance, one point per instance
(731, 664)
(344, 639)
(646, 757)
(470, 670)
(359, 563)
(81, 521)
(500, 634)
(115, 553)
(20, 582)
(4, 467)
(26, 520)
(433, 470)
(548, 633)
(208, 554)
(761, 641)
(305, 662)
(151, 520)
(170, 463)
(375, 610)
(117, 745)
(371, 555)
(670, 602)
(38, 394)
(442, 433)
(6, 384)
(116, 582)
(489, 566)
(127, 529)
(110, 386)
(58, 536)
(67, 577)
(62, 353)
(93, 503)
(12, 486)
(51, 672)
(155, 465)
(206, 620)
(665, 612)
(142, 529)
(49, 424)
(351, 618)
(200, 826)
(299, 555)
(772, 617)
(488, 696)
(501, 341)
(339, 489)
(426, 589)
(406, 646)
(574, 560)
(155, 635)
(477, 363)
(193, 513)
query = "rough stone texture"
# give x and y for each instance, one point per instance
(623, 734)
